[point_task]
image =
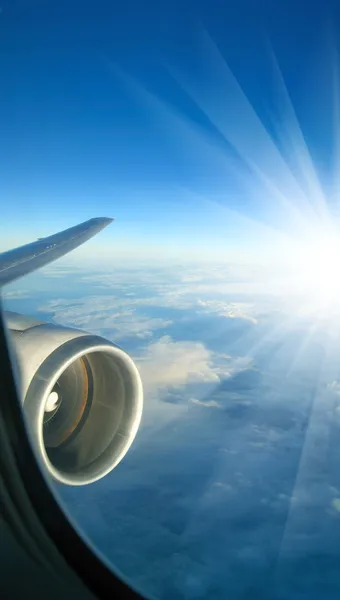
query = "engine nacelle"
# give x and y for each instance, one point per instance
(82, 396)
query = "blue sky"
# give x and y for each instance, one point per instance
(132, 111)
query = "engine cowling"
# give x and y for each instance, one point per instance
(82, 396)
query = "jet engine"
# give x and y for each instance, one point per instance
(82, 396)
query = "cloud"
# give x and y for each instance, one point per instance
(208, 478)
(334, 387)
(59, 273)
(336, 504)
(207, 403)
(99, 313)
(121, 303)
(14, 294)
(230, 310)
(190, 282)
(238, 292)
(164, 362)
(168, 363)
(165, 365)
(223, 485)
(177, 375)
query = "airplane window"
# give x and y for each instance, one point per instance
(170, 241)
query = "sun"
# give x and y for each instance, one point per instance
(314, 265)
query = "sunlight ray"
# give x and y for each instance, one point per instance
(312, 460)
(291, 134)
(299, 351)
(227, 107)
(336, 125)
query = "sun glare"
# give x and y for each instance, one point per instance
(314, 268)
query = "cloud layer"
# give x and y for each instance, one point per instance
(233, 477)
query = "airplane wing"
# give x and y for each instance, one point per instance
(25, 259)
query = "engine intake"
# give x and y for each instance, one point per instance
(82, 396)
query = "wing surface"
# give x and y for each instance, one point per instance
(25, 259)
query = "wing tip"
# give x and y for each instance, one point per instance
(102, 221)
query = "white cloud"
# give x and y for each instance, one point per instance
(163, 363)
(207, 403)
(223, 485)
(231, 310)
(188, 281)
(334, 386)
(122, 300)
(59, 273)
(13, 294)
(179, 374)
(167, 363)
(98, 313)
(109, 310)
